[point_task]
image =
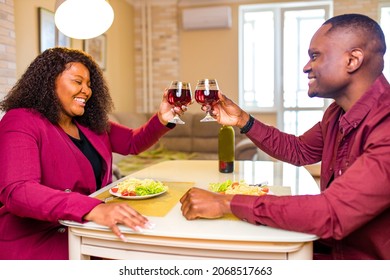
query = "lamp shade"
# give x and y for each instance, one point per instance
(83, 19)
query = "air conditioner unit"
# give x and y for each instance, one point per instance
(207, 18)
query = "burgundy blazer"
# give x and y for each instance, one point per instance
(44, 178)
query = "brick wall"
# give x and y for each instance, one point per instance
(157, 51)
(7, 47)
(367, 7)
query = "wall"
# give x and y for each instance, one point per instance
(367, 7)
(157, 51)
(7, 47)
(120, 57)
(119, 72)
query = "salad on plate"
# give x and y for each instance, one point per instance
(238, 187)
(133, 188)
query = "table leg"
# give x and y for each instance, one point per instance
(75, 247)
(305, 253)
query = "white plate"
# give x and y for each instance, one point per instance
(137, 196)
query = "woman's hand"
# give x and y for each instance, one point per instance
(166, 112)
(112, 214)
(198, 203)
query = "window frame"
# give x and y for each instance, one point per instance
(386, 70)
(278, 10)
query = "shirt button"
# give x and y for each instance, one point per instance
(61, 230)
(68, 190)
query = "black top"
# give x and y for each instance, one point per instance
(92, 155)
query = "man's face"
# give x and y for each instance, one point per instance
(326, 69)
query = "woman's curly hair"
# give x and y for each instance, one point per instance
(36, 88)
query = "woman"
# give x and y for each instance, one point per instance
(56, 149)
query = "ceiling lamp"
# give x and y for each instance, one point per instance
(83, 19)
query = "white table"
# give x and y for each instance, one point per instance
(176, 238)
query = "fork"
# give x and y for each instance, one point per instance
(260, 184)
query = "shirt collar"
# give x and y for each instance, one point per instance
(360, 109)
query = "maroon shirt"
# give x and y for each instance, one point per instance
(352, 213)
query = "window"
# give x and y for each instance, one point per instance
(274, 39)
(385, 24)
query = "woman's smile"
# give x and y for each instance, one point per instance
(74, 90)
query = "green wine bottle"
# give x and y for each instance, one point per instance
(226, 149)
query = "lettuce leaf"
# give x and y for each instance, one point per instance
(149, 187)
(220, 187)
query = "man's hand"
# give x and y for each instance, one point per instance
(198, 203)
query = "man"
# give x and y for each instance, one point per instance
(352, 214)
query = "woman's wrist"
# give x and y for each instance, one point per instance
(161, 119)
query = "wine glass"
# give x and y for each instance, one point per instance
(179, 94)
(206, 94)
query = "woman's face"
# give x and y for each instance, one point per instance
(73, 88)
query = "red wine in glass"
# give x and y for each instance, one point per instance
(179, 94)
(179, 97)
(206, 94)
(206, 97)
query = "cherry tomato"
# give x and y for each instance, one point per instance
(125, 193)
(132, 193)
(114, 189)
(265, 189)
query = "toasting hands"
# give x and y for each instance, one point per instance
(166, 112)
(226, 112)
